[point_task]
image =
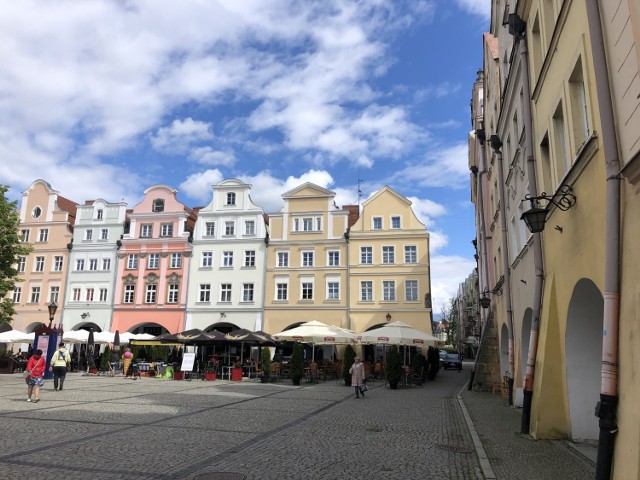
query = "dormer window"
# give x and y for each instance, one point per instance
(36, 212)
(231, 198)
(99, 214)
(158, 205)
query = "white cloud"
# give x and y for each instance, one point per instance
(436, 91)
(447, 167)
(476, 7)
(199, 185)
(447, 273)
(180, 135)
(209, 156)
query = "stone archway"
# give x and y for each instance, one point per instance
(583, 355)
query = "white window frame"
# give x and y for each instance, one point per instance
(106, 264)
(376, 223)
(39, 264)
(17, 294)
(79, 264)
(204, 293)
(388, 254)
(209, 229)
(307, 258)
(88, 234)
(151, 293)
(166, 229)
(104, 294)
(104, 234)
(22, 264)
(411, 254)
(146, 230)
(333, 289)
(132, 261)
(366, 291)
(54, 293)
(206, 259)
(306, 286)
(229, 228)
(249, 258)
(283, 259)
(248, 292)
(58, 263)
(333, 258)
(129, 294)
(389, 291)
(173, 292)
(226, 291)
(35, 295)
(24, 236)
(43, 235)
(282, 290)
(250, 227)
(176, 260)
(411, 291)
(231, 198)
(227, 259)
(394, 219)
(93, 264)
(76, 294)
(366, 253)
(89, 294)
(153, 261)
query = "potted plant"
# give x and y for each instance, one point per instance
(105, 359)
(211, 371)
(416, 369)
(393, 370)
(297, 364)
(265, 365)
(349, 358)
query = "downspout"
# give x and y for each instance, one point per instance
(483, 273)
(496, 144)
(536, 241)
(607, 406)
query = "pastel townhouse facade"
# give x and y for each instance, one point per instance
(226, 275)
(153, 265)
(46, 222)
(389, 271)
(307, 266)
(93, 265)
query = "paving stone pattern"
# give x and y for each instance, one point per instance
(115, 428)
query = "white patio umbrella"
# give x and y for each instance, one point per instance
(316, 333)
(397, 333)
(16, 336)
(104, 337)
(75, 336)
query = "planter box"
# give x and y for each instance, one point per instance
(236, 374)
(6, 365)
(210, 376)
(178, 375)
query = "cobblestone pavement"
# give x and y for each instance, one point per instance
(115, 428)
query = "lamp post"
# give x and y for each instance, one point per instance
(536, 216)
(53, 306)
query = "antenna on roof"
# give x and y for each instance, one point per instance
(359, 191)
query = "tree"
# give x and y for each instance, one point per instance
(10, 249)
(450, 322)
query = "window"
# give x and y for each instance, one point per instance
(209, 229)
(366, 255)
(206, 261)
(80, 264)
(153, 261)
(106, 264)
(395, 222)
(58, 261)
(132, 261)
(283, 259)
(307, 290)
(247, 292)
(76, 294)
(43, 234)
(231, 198)
(377, 223)
(103, 294)
(36, 212)
(366, 291)
(172, 294)
(282, 291)
(307, 224)
(176, 260)
(39, 264)
(54, 294)
(250, 258)
(22, 261)
(129, 293)
(158, 205)
(410, 254)
(411, 291)
(389, 290)
(204, 293)
(578, 102)
(319, 224)
(146, 230)
(89, 296)
(388, 254)
(307, 259)
(99, 214)
(24, 236)
(88, 234)
(334, 258)
(249, 227)
(166, 230)
(229, 228)
(104, 234)
(150, 294)
(333, 290)
(227, 259)
(35, 295)
(225, 292)
(17, 293)
(93, 264)
(560, 143)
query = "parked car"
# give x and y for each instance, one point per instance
(443, 355)
(452, 360)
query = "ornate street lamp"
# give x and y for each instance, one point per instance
(388, 317)
(536, 216)
(53, 306)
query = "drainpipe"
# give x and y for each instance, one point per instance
(607, 406)
(535, 239)
(483, 273)
(496, 144)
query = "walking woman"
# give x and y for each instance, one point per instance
(357, 376)
(36, 366)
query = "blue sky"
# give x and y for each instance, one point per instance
(106, 98)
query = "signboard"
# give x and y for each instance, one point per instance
(187, 362)
(43, 344)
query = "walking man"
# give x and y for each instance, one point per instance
(59, 361)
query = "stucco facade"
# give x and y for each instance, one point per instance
(153, 265)
(93, 265)
(227, 272)
(46, 222)
(389, 271)
(306, 270)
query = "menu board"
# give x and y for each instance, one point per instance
(188, 360)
